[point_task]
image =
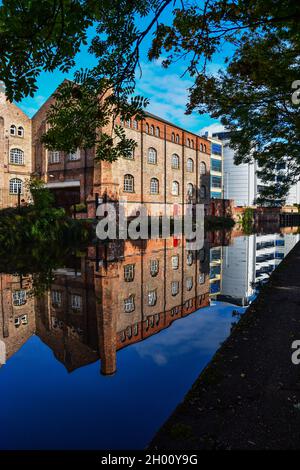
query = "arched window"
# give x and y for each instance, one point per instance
(202, 168)
(15, 186)
(190, 189)
(204, 148)
(128, 183)
(154, 186)
(203, 192)
(175, 161)
(147, 128)
(135, 124)
(13, 130)
(20, 131)
(175, 188)
(201, 147)
(157, 132)
(192, 143)
(152, 156)
(188, 142)
(189, 283)
(173, 137)
(190, 165)
(154, 267)
(177, 140)
(16, 157)
(152, 130)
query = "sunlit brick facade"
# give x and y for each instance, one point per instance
(15, 153)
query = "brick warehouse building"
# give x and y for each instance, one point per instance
(169, 166)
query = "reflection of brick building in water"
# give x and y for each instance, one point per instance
(122, 293)
(17, 312)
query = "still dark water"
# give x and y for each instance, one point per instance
(101, 358)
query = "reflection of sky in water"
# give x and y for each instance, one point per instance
(43, 406)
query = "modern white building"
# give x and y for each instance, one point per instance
(240, 182)
(249, 261)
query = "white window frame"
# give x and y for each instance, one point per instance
(190, 165)
(154, 186)
(175, 161)
(128, 183)
(175, 262)
(74, 156)
(76, 301)
(14, 185)
(154, 267)
(53, 156)
(129, 304)
(152, 156)
(56, 297)
(19, 297)
(175, 188)
(152, 298)
(174, 288)
(16, 156)
(129, 272)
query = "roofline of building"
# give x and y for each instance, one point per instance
(154, 116)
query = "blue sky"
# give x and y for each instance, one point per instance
(166, 89)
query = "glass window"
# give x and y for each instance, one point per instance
(129, 304)
(189, 283)
(53, 156)
(152, 156)
(175, 262)
(203, 192)
(173, 137)
(190, 165)
(202, 168)
(177, 140)
(128, 183)
(20, 131)
(13, 130)
(152, 298)
(56, 298)
(174, 287)
(175, 188)
(175, 161)
(157, 132)
(201, 279)
(152, 130)
(216, 165)
(216, 181)
(19, 297)
(135, 124)
(73, 156)
(154, 186)
(154, 267)
(16, 157)
(216, 148)
(190, 189)
(15, 186)
(76, 301)
(129, 272)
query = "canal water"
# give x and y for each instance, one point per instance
(98, 353)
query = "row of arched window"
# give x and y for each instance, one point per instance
(175, 161)
(155, 130)
(128, 187)
(16, 131)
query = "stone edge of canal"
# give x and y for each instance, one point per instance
(248, 396)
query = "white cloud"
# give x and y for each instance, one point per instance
(168, 94)
(216, 127)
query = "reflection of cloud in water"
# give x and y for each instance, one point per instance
(202, 331)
